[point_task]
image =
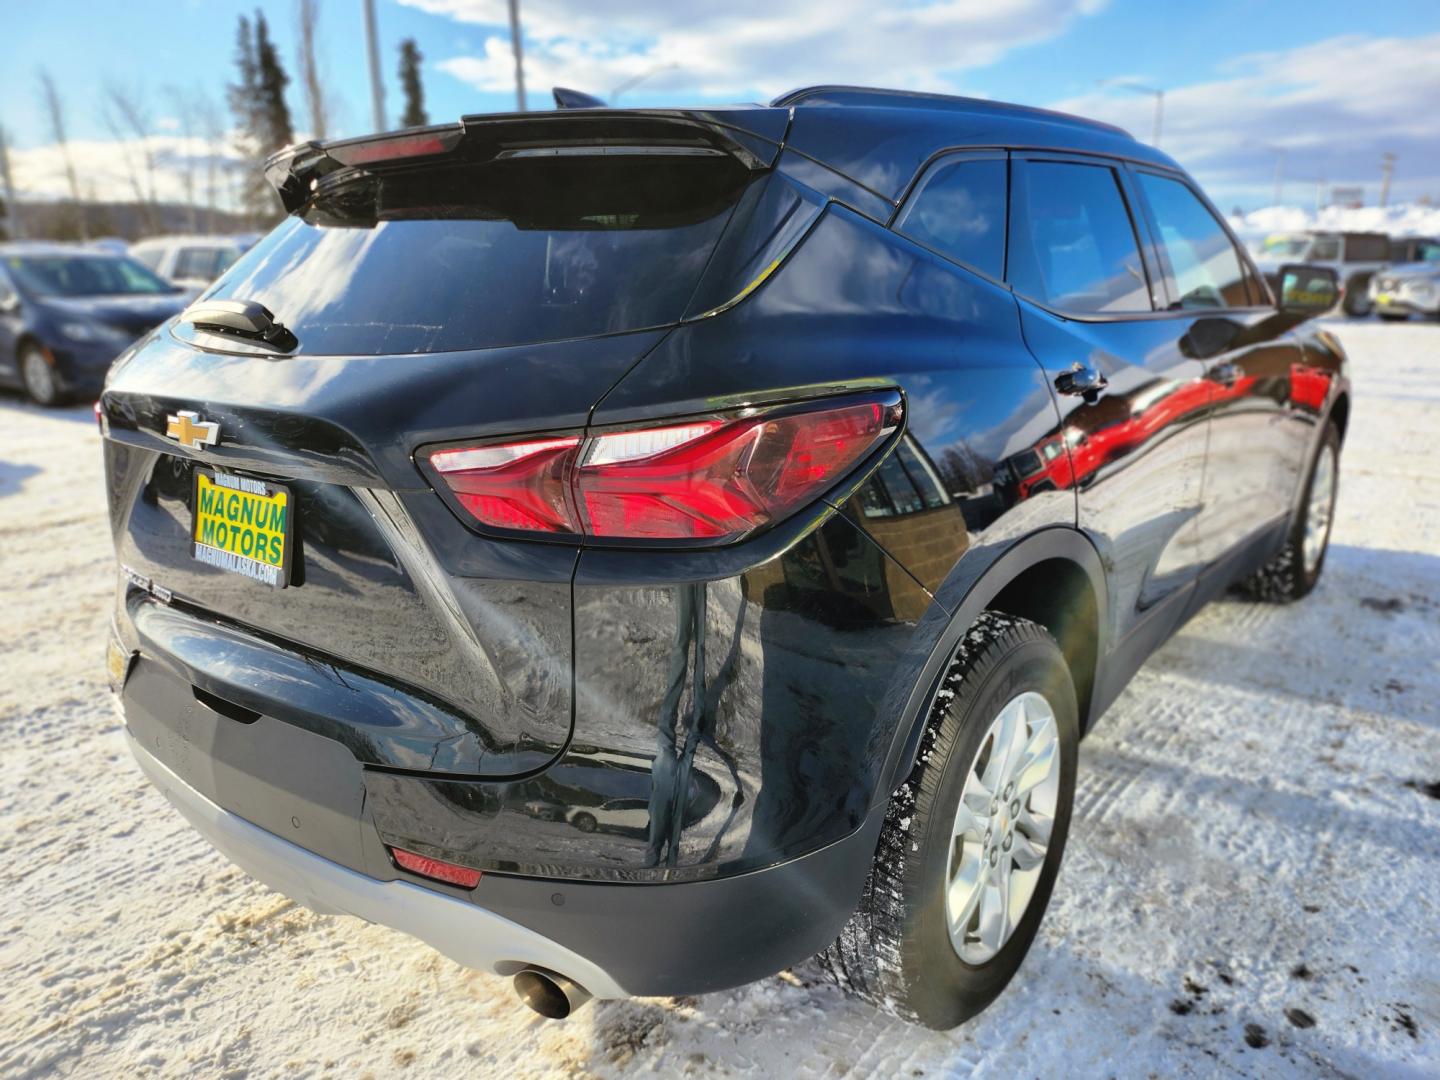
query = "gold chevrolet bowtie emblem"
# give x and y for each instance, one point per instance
(189, 430)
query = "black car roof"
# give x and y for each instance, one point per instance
(880, 138)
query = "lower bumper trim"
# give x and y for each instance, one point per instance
(468, 934)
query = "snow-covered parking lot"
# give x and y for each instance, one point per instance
(1252, 885)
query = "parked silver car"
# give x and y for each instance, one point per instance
(1411, 288)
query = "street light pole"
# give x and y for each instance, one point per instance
(519, 50)
(377, 88)
(636, 80)
(1153, 91)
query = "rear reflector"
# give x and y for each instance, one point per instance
(713, 479)
(438, 869)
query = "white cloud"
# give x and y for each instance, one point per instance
(1333, 107)
(101, 166)
(750, 48)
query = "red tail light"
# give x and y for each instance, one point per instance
(450, 873)
(713, 479)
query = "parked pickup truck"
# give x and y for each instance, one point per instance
(1354, 256)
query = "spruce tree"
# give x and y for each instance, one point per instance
(271, 81)
(414, 114)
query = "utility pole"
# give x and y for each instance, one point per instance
(12, 212)
(377, 88)
(1153, 91)
(1387, 167)
(636, 80)
(519, 55)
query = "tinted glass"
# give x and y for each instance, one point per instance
(1201, 263)
(1071, 241)
(502, 253)
(203, 263)
(1427, 252)
(960, 212)
(84, 275)
(1366, 247)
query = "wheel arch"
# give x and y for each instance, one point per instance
(1053, 577)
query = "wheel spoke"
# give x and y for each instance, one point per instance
(1039, 758)
(965, 892)
(1004, 733)
(1034, 826)
(995, 911)
(1027, 853)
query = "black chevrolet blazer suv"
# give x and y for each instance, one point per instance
(637, 550)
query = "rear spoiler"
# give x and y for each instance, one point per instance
(752, 135)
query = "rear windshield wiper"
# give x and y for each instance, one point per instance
(243, 319)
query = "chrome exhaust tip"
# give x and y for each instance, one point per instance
(551, 995)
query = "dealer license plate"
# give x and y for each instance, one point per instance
(243, 526)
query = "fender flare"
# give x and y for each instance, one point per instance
(981, 585)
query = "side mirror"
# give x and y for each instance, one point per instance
(1308, 290)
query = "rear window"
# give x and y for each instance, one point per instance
(512, 252)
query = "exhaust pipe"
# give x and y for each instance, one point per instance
(551, 995)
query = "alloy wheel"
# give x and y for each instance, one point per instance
(38, 376)
(1320, 510)
(1002, 827)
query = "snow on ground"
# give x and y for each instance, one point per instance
(1252, 885)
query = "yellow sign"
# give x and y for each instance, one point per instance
(241, 525)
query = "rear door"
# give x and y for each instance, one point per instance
(1080, 261)
(1222, 318)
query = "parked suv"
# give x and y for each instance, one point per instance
(191, 262)
(1411, 286)
(685, 465)
(1354, 256)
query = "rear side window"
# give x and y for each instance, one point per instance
(1072, 243)
(1325, 248)
(960, 212)
(1202, 268)
(479, 255)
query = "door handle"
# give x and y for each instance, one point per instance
(1081, 381)
(1225, 374)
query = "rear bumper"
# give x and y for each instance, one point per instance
(468, 934)
(615, 940)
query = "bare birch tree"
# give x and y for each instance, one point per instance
(54, 110)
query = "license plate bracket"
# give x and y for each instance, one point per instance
(243, 526)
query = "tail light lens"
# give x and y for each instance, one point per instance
(713, 479)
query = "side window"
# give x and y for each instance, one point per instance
(960, 212)
(1201, 263)
(1072, 243)
(1325, 248)
(195, 262)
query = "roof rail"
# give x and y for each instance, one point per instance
(879, 97)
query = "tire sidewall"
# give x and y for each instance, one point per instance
(951, 990)
(1305, 578)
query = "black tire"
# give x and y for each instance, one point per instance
(1357, 296)
(584, 822)
(1286, 577)
(38, 377)
(1395, 316)
(896, 951)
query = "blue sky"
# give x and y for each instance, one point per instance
(1331, 84)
